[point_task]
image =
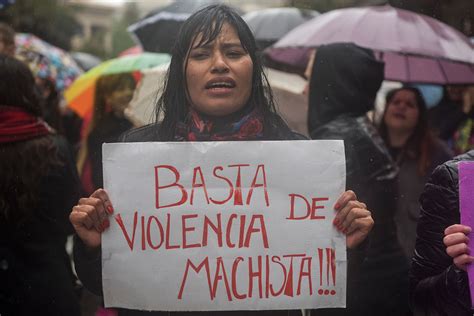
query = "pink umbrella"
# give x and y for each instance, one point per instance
(414, 47)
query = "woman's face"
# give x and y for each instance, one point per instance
(119, 99)
(402, 112)
(219, 74)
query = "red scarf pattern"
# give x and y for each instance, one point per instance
(18, 125)
(199, 128)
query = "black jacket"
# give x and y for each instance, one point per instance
(35, 271)
(108, 130)
(88, 265)
(437, 287)
(344, 82)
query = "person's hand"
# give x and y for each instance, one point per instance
(456, 242)
(352, 218)
(90, 217)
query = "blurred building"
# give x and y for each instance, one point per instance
(97, 16)
(245, 5)
(96, 21)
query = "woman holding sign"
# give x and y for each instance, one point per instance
(439, 284)
(215, 91)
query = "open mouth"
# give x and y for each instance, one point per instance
(225, 83)
(399, 116)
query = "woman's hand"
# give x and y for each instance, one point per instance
(352, 218)
(90, 217)
(456, 242)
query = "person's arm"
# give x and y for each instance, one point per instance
(437, 286)
(88, 264)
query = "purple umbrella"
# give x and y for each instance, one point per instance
(414, 47)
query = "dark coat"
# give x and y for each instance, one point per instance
(437, 287)
(410, 185)
(108, 130)
(35, 271)
(88, 265)
(344, 82)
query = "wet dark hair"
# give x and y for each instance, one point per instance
(420, 143)
(7, 34)
(17, 86)
(173, 104)
(24, 163)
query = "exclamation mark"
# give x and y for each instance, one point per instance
(320, 256)
(333, 270)
(330, 270)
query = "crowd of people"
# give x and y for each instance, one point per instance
(406, 255)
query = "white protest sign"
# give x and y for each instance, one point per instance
(224, 225)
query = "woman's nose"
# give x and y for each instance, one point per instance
(219, 64)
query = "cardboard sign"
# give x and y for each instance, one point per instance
(466, 205)
(224, 226)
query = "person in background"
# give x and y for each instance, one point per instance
(39, 183)
(50, 103)
(416, 151)
(464, 136)
(112, 95)
(439, 283)
(452, 119)
(7, 40)
(344, 80)
(215, 91)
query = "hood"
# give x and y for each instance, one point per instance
(345, 79)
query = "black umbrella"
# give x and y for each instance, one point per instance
(158, 30)
(269, 25)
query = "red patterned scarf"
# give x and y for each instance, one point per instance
(202, 128)
(18, 125)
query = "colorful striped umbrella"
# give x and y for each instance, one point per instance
(80, 95)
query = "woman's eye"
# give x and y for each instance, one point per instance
(199, 55)
(235, 54)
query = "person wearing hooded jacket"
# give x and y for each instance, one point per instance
(343, 84)
(438, 282)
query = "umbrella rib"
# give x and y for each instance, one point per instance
(442, 70)
(407, 67)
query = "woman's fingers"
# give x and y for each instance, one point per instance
(462, 261)
(345, 197)
(358, 218)
(94, 208)
(456, 238)
(457, 228)
(457, 250)
(456, 242)
(93, 212)
(352, 218)
(346, 214)
(80, 216)
(101, 194)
